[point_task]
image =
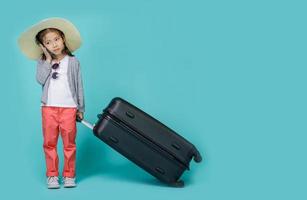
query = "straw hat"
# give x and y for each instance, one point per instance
(30, 48)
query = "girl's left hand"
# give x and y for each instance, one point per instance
(80, 115)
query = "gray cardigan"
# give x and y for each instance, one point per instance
(43, 76)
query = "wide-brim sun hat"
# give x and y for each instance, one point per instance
(32, 50)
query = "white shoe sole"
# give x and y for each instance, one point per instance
(70, 186)
(53, 186)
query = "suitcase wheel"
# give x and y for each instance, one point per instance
(178, 184)
(197, 156)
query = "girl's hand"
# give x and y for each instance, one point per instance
(47, 54)
(79, 116)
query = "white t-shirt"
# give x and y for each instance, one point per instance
(59, 93)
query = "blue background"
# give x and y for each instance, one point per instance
(230, 76)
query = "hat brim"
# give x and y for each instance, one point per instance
(33, 51)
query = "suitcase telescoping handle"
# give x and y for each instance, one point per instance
(86, 123)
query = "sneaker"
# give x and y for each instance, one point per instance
(69, 182)
(53, 182)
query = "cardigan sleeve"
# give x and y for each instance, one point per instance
(43, 71)
(80, 92)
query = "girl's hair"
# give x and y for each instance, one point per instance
(39, 39)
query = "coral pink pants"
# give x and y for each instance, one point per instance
(59, 120)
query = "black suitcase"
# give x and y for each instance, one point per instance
(145, 141)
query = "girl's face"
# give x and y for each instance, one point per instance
(54, 43)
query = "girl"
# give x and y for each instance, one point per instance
(51, 42)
